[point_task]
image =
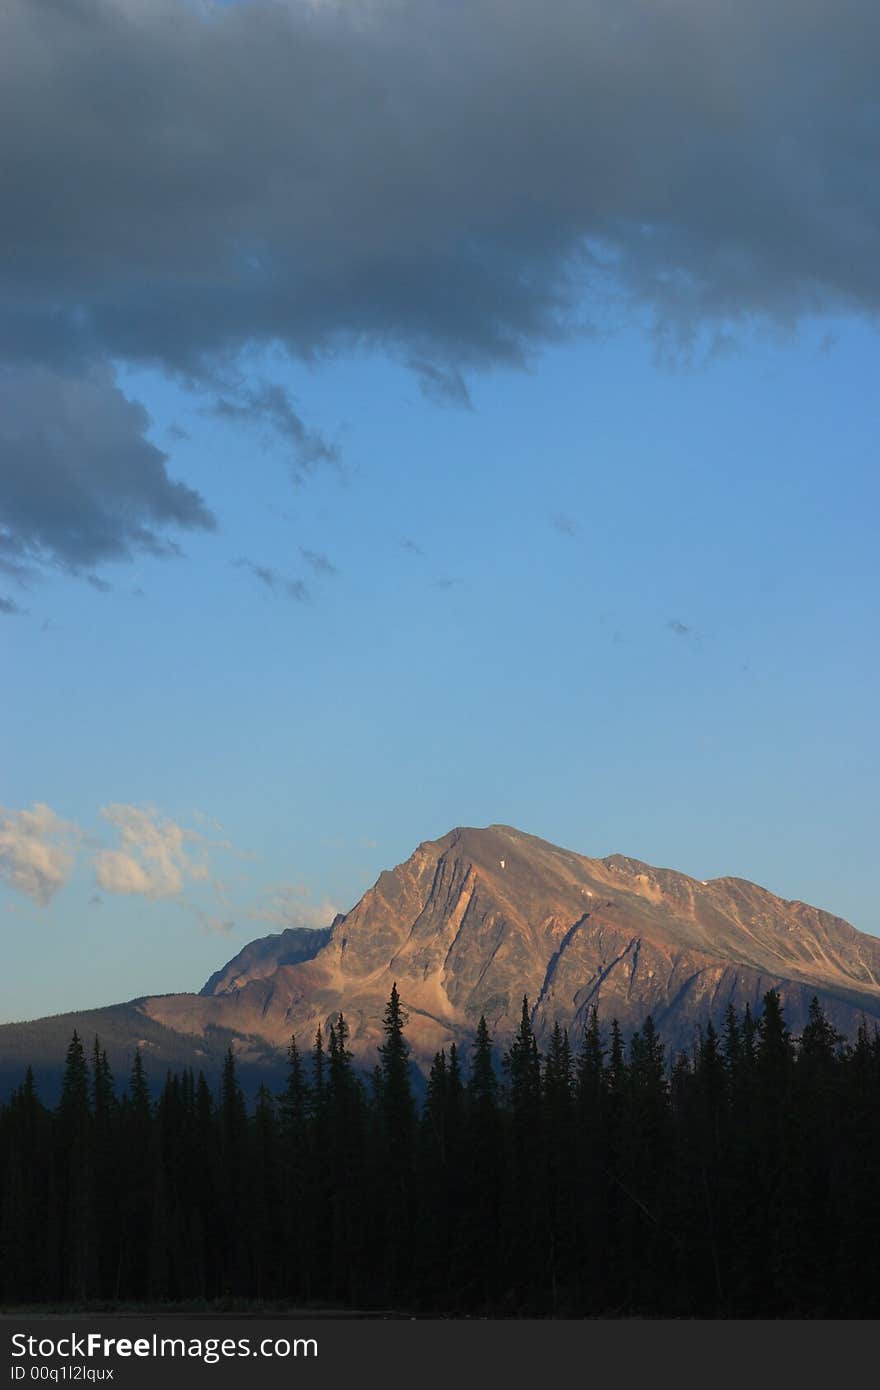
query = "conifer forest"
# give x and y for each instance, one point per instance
(601, 1178)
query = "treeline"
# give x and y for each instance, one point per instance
(743, 1181)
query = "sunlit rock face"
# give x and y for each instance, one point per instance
(475, 920)
(467, 926)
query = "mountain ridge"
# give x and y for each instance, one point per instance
(476, 919)
(472, 920)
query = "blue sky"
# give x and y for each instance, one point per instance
(615, 584)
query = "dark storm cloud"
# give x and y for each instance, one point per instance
(80, 484)
(273, 581)
(440, 178)
(10, 558)
(456, 184)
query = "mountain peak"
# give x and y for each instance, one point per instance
(474, 920)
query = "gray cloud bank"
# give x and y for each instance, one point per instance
(80, 483)
(455, 184)
(182, 179)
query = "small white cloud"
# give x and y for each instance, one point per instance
(152, 858)
(36, 851)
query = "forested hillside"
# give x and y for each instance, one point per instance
(742, 1180)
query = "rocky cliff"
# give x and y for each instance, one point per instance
(466, 926)
(471, 922)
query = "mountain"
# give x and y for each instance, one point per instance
(474, 920)
(263, 957)
(42, 1044)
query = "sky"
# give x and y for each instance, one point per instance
(427, 414)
